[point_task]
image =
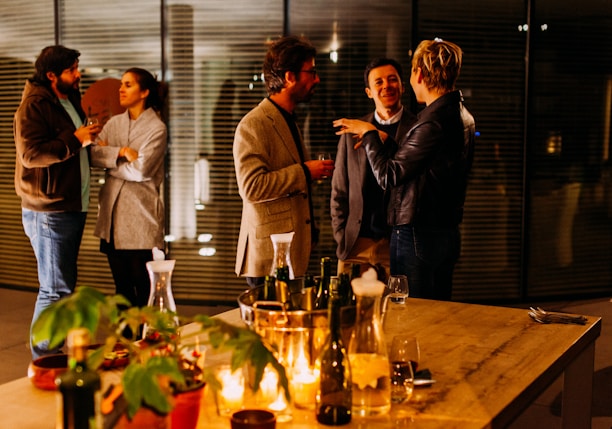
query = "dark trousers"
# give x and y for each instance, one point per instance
(130, 273)
(427, 256)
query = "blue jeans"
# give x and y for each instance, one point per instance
(55, 238)
(427, 256)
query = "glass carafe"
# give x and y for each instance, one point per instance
(160, 296)
(368, 351)
(282, 252)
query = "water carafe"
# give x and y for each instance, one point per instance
(368, 351)
(282, 252)
(160, 296)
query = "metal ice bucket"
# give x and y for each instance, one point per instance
(296, 333)
(293, 331)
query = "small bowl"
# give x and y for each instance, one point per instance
(43, 371)
(253, 419)
(118, 358)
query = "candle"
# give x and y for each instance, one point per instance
(304, 380)
(232, 391)
(269, 386)
(305, 385)
(271, 396)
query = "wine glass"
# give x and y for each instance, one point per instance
(324, 156)
(397, 287)
(404, 358)
(92, 121)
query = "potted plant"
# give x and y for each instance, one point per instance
(164, 363)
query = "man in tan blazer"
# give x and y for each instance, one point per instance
(273, 168)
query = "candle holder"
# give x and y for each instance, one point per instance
(304, 383)
(271, 396)
(230, 397)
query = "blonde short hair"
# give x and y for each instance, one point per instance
(440, 63)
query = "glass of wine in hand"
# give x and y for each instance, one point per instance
(324, 156)
(404, 358)
(89, 121)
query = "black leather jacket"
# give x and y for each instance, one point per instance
(427, 175)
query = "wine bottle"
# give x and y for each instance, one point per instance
(355, 273)
(309, 293)
(79, 386)
(323, 290)
(334, 396)
(269, 289)
(344, 289)
(282, 285)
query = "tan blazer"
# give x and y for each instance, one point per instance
(274, 189)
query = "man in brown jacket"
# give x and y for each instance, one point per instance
(273, 168)
(52, 172)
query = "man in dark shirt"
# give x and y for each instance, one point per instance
(427, 175)
(358, 203)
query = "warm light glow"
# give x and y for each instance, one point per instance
(279, 404)
(207, 251)
(205, 238)
(269, 386)
(333, 56)
(232, 393)
(334, 45)
(305, 383)
(304, 379)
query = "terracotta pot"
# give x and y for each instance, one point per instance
(186, 409)
(144, 418)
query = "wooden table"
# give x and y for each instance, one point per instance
(490, 364)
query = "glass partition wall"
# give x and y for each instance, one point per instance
(536, 76)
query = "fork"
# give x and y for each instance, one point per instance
(543, 316)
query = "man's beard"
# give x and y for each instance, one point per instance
(67, 88)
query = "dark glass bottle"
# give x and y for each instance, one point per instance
(269, 289)
(355, 273)
(323, 290)
(309, 293)
(344, 288)
(334, 396)
(282, 285)
(79, 386)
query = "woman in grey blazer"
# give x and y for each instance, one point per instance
(131, 147)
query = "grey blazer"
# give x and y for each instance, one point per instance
(130, 202)
(274, 189)
(346, 203)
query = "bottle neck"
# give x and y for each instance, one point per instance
(335, 319)
(77, 357)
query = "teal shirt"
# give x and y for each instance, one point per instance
(85, 178)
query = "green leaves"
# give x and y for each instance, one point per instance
(81, 309)
(149, 384)
(154, 367)
(247, 348)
